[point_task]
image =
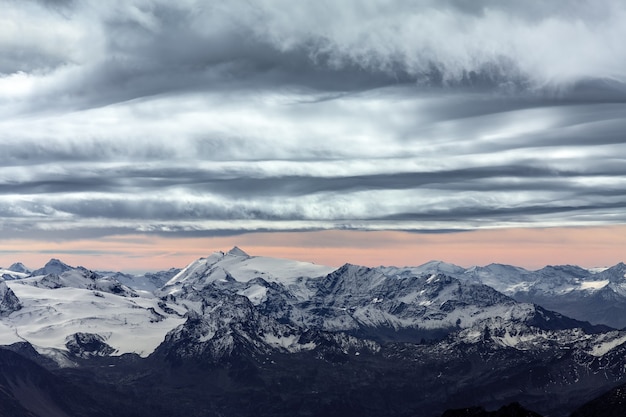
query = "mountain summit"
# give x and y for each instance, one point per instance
(53, 266)
(19, 267)
(296, 338)
(236, 251)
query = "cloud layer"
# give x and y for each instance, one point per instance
(202, 117)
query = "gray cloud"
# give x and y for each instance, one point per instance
(199, 117)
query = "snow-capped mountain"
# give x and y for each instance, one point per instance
(68, 312)
(238, 303)
(380, 303)
(295, 338)
(15, 271)
(597, 298)
(241, 267)
(150, 281)
(78, 277)
(279, 302)
(597, 295)
(53, 266)
(19, 268)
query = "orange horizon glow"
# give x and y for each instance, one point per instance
(527, 248)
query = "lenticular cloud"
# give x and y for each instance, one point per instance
(205, 116)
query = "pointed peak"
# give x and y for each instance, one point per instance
(57, 264)
(53, 266)
(351, 267)
(235, 251)
(18, 267)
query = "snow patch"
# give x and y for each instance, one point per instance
(595, 285)
(10, 274)
(49, 316)
(432, 278)
(8, 335)
(602, 348)
(257, 294)
(289, 343)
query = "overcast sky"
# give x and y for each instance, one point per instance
(193, 119)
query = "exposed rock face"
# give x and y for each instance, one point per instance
(229, 326)
(86, 345)
(8, 300)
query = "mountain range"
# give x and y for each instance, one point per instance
(234, 334)
(597, 295)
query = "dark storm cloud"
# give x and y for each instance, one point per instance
(198, 117)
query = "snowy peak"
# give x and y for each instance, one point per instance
(19, 267)
(80, 278)
(568, 270)
(431, 267)
(441, 267)
(53, 266)
(403, 303)
(615, 274)
(235, 251)
(198, 270)
(240, 267)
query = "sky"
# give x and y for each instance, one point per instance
(143, 134)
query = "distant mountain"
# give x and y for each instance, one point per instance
(597, 296)
(53, 266)
(15, 271)
(379, 303)
(19, 267)
(150, 281)
(75, 277)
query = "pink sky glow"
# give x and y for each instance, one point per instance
(528, 248)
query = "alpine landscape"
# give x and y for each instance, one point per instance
(234, 334)
(315, 208)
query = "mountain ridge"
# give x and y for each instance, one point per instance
(299, 338)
